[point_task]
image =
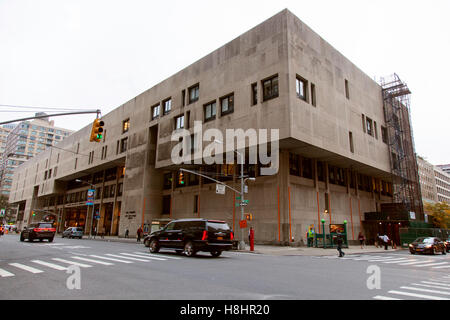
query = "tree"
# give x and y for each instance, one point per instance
(439, 213)
(10, 211)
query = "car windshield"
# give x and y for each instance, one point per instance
(217, 226)
(424, 240)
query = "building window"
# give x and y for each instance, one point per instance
(210, 111)
(375, 130)
(347, 92)
(196, 204)
(363, 118)
(125, 125)
(313, 94)
(194, 93)
(123, 145)
(369, 126)
(270, 88)
(254, 94)
(155, 111)
(227, 104)
(167, 105)
(350, 138)
(384, 134)
(179, 122)
(301, 87)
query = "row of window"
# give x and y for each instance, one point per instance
(304, 167)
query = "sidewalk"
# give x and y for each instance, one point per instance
(274, 249)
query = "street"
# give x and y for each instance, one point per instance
(116, 270)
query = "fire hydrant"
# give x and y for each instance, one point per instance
(252, 239)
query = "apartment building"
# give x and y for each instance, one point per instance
(334, 162)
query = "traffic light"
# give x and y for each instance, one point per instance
(249, 216)
(181, 178)
(97, 130)
(33, 213)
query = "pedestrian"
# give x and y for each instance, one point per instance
(339, 242)
(361, 239)
(127, 232)
(311, 234)
(139, 232)
(103, 230)
(376, 241)
(386, 241)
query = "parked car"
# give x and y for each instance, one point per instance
(39, 230)
(427, 245)
(73, 232)
(192, 235)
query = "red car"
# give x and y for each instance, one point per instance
(40, 230)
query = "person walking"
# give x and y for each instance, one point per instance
(127, 232)
(311, 234)
(103, 230)
(361, 239)
(386, 241)
(139, 232)
(339, 242)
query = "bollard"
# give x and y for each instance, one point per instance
(252, 239)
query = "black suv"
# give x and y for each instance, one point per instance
(191, 236)
(39, 230)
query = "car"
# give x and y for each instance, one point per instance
(191, 236)
(73, 232)
(427, 245)
(39, 230)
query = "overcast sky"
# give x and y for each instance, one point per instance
(98, 54)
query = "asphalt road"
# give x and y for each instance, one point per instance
(115, 270)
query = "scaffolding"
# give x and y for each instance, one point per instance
(405, 177)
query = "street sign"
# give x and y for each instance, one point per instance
(243, 224)
(90, 197)
(245, 189)
(220, 189)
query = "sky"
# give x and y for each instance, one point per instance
(99, 54)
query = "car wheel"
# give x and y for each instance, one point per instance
(216, 253)
(22, 238)
(147, 243)
(154, 246)
(432, 251)
(40, 240)
(189, 250)
(443, 251)
(50, 239)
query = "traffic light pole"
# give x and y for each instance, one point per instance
(52, 115)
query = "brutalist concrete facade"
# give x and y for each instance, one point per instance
(332, 156)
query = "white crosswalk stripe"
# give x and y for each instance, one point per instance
(4, 273)
(426, 290)
(72, 263)
(50, 265)
(141, 256)
(110, 259)
(429, 286)
(158, 255)
(437, 283)
(93, 261)
(442, 267)
(126, 258)
(431, 264)
(26, 268)
(416, 295)
(385, 298)
(414, 262)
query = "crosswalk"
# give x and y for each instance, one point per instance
(435, 289)
(82, 260)
(437, 263)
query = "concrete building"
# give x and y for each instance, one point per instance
(334, 158)
(23, 142)
(444, 167)
(427, 180)
(442, 185)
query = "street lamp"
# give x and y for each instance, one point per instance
(92, 220)
(242, 242)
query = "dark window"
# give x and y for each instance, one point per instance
(384, 134)
(369, 126)
(350, 138)
(196, 204)
(210, 111)
(270, 88)
(347, 92)
(167, 185)
(166, 205)
(119, 189)
(301, 87)
(155, 111)
(194, 93)
(167, 105)
(123, 145)
(294, 164)
(375, 130)
(307, 168)
(363, 118)
(106, 192)
(183, 97)
(313, 94)
(254, 94)
(320, 171)
(227, 104)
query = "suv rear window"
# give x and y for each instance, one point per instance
(45, 225)
(217, 226)
(79, 229)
